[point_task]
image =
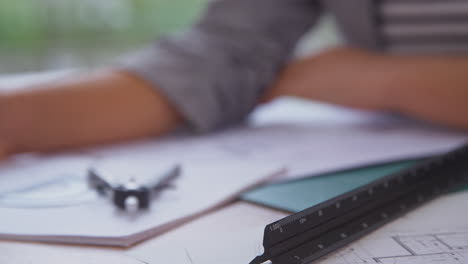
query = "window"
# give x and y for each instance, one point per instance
(51, 34)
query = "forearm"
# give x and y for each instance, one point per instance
(431, 88)
(90, 109)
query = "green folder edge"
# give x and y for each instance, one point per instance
(297, 195)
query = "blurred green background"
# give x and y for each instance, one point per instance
(37, 35)
(51, 34)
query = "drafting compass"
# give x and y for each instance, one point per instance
(131, 194)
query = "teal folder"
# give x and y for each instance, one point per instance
(297, 195)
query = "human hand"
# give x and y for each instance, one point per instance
(344, 76)
(428, 87)
(82, 110)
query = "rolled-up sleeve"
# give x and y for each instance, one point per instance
(215, 72)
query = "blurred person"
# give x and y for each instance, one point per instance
(401, 56)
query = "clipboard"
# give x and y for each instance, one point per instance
(299, 194)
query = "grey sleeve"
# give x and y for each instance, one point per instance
(214, 72)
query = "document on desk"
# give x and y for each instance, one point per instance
(48, 199)
(26, 254)
(436, 233)
(326, 138)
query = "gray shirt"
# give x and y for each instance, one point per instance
(215, 72)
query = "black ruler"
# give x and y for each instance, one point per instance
(306, 236)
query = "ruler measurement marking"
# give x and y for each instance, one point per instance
(321, 229)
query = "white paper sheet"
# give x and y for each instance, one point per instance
(436, 233)
(35, 253)
(57, 206)
(311, 138)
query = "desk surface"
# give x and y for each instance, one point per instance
(223, 232)
(230, 235)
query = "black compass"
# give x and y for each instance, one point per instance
(131, 194)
